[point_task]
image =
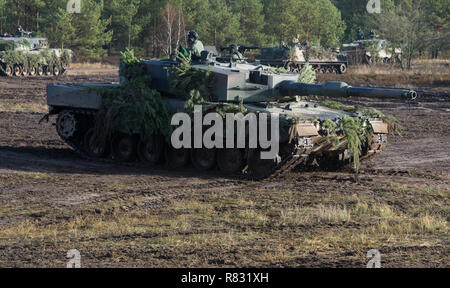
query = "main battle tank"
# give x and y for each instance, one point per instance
(370, 51)
(294, 57)
(303, 133)
(27, 56)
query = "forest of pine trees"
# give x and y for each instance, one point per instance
(155, 27)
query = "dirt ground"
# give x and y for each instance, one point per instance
(122, 216)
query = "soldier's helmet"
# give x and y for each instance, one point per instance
(192, 36)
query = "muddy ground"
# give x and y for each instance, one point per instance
(120, 216)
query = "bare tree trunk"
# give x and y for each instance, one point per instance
(169, 30)
(18, 12)
(179, 29)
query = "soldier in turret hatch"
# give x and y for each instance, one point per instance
(372, 34)
(195, 46)
(359, 34)
(19, 31)
(235, 55)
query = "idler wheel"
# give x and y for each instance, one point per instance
(257, 167)
(66, 124)
(151, 150)
(203, 159)
(91, 145)
(177, 158)
(124, 148)
(230, 161)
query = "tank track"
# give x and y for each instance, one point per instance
(23, 74)
(298, 155)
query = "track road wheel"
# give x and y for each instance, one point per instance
(56, 70)
(39, 70)
(230, 161)
(9, 70)
(259, 168)
(17, 70)
(31, 71)
(46, 71)
(150, 151)
(203, 159)
(124, 147)
(91, 146)
(176, 158)
(66, 124)
(342, 68)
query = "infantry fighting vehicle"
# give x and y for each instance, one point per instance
(371, 50)
(304, 138)
(294, 57)
(27, 56)
(235, 53)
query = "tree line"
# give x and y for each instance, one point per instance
(154, 28)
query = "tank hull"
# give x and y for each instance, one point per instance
(301, 145)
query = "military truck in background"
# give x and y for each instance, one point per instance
(370, 51)
(23, 55)
(294, 57)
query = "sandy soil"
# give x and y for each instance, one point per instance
(52, 201)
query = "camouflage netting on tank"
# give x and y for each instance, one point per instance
(357, 131)
(317, 52)
(132, 107)
(12, 57)
(307, 75)
(46, 57)
(6, 46)
(373, 49)
(394, 125)
(190, 83)
(356, 134)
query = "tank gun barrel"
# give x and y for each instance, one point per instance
(341, 89)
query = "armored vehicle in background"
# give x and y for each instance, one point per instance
(235, 53)
(303, 134)
(371, 51)
(27, 56)
(294, 57)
